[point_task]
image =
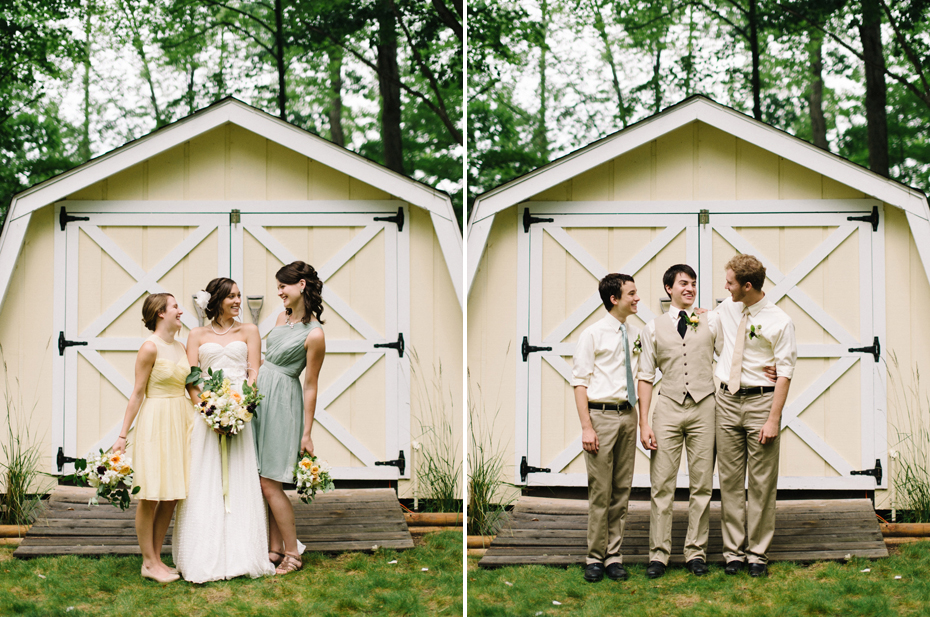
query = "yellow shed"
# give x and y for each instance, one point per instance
(847, 254)
(231, 191)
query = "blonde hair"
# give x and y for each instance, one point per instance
(154, 305)
(747, 269)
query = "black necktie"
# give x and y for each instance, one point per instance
(682, 323)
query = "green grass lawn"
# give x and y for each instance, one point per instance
(824, 588)
(349, 584)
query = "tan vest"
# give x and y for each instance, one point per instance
(686, 363)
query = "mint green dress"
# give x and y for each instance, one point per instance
(279, 420)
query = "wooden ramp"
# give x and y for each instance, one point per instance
(339, 521)
(554, 532)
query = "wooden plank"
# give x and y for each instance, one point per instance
(554, 531)
(343, 520)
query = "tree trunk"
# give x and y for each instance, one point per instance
(876, 112)
(335, 102)
(279, 57)
(540, 137)
(388, 82)
(656, 83)
(818, 122)
(602, 32)
(754, 49)
(84, 147)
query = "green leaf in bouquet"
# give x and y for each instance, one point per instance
(80, 464)
(195, 376)
(136, 489)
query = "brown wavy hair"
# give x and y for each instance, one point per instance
(291, 274)
(218, 289)
(153, 305)
(747, 269)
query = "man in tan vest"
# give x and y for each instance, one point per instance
(755, 333)
(681, 345)
(605, 395)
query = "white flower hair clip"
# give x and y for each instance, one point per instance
(201, 299)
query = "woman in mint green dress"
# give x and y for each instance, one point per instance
(284, 418)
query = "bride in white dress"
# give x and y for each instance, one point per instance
(209, 543)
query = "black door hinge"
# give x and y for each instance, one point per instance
(64, 343)
(527, 349)
(875, 473)
(704, 217)
(875, 349)
(526, 469)
(528, 220)
(398, 219)
(399, 345)
(235, 216)
(64, 218)
(61, 459)
(871, 218)
(400, 462)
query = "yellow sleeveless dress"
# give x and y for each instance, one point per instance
(161, 448)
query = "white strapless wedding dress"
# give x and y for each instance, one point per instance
(208, 543)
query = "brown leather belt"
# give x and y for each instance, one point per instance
(610, 406)
(749, 391)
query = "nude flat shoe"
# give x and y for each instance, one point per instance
(146, 573)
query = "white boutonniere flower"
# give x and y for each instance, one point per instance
(637, 346)
(693, 321)
(201, 299)
(756, 332)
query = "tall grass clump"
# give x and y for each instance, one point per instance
(20, 467)
(438, 462)
(487, 504)
(911, 453)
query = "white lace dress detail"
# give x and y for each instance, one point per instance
(209, 544)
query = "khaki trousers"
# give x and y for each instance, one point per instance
(748, 517)
(690, 424)
(610, 477)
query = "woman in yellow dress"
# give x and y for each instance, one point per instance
(161, 452)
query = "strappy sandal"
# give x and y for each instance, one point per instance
(277, 561)
(290, 563)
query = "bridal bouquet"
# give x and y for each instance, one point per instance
(312, 476)
(225, 411)
(109, 473)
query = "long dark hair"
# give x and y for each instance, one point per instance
(218, 289)
(313, 292)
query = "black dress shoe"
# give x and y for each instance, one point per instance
(758, 569)
(617, 572)
(655, 569)
(734, 567)
(594, 572)
(697, 566)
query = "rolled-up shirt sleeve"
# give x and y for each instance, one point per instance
(647, 357)
(583, 360)
(785, 350)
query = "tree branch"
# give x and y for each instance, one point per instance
(725, 20)
(249, 35)
(241, 12)
(448, 18)
(902, 41)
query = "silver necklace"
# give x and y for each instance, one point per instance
(287, 322)
(223, 332)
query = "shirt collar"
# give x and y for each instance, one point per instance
(757, 307)
(613, 323)
(674, 312)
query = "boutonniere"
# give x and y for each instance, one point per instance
(693, 321)
(637, 345)
(755, 332)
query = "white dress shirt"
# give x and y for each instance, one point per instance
(647, 359)
(599, 362)
(773, 343)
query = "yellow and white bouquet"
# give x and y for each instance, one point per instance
(111, 474)
(312, 477)
(226, 411)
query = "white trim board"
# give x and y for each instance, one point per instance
(230, 110)
(694, 109)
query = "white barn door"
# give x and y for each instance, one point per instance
(108, 263)
(561, 257)
(825, 270)
(827, 273)
(361, 253)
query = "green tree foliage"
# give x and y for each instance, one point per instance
(33, 138)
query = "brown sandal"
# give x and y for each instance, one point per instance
(277, 561)
(289, 563)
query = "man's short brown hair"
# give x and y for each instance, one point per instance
(612, 285)
(747, 269)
